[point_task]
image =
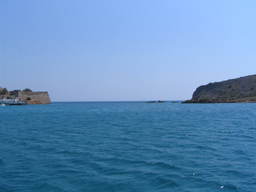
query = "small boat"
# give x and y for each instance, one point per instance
(3, 105)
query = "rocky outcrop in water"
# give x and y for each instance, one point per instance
(27, 96)
(242, 89)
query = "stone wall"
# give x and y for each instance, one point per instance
(34, 97)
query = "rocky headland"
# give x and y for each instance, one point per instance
(26, 96)
(242, 89)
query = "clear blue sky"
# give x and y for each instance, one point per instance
(124, 49)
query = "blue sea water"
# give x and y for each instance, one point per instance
(128, 147)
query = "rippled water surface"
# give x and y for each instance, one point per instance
(121, 147)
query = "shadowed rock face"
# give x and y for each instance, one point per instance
(235, 90)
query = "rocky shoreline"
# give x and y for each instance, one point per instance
(240, 90)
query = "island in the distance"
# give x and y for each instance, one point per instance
(26, 96)
(242, 89)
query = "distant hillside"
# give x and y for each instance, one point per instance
(28, 96)
(242, 89)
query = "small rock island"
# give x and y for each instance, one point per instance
(242, 89)
(21, 97)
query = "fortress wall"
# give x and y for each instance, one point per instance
(35, 97)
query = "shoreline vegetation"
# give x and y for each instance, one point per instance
(239, 90)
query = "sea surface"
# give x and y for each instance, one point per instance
(128, 147)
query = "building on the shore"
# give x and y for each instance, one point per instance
(12, 102)
(26, 96)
